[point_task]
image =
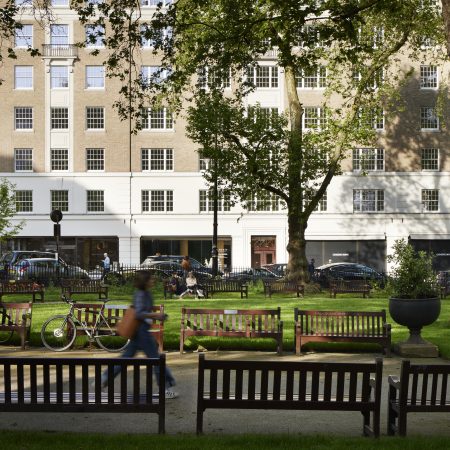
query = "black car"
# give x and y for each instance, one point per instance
(347, 271)
(251, 274)
(277, 268)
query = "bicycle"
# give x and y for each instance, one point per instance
(60, 331)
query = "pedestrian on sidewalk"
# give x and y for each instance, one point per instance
(106, 263)
(143, 340)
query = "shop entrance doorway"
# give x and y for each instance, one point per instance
(264, 250)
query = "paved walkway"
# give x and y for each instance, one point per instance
(181, 412)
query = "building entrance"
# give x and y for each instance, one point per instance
(264, 250)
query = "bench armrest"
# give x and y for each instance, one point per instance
(394, 381)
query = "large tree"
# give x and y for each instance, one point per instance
(206, 46)
(7, 211)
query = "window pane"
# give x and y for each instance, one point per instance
(59, 76)
(23, 159)
(95, 159)
(95, 77)
(23, 77)
(23, 118)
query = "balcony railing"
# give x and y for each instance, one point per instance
(270, 54)
(60, 51)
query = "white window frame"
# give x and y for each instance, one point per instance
(59, 203)
(206, 78)
(318, 77)
(24, 157)
(430, 200)
(425, 115)
(29, 77)
(167, 120)
(95, 201)
(154, 3)
(26, 201)
(56, 80)
(203, 163)
(375, 119)
(320, 118)
(364, 202)
(17, 109)
(264, 202)
(433, 158)
(364, 158)
(25, 33)
(206, 201)
(150, 158)
(59, 159)
(90, 118)
(91, 157)
(59, 118)
(255, 76)
(150, 196)
(102, 78)
(429, 77)
(59, 35)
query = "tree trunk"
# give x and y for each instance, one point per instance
(446, 17)
(297, 264)
(297, 268)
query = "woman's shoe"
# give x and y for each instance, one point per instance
(170, 394)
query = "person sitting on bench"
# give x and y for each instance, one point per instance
(192, 287)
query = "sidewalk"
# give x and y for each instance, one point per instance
(181, 412)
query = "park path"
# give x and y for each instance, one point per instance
(181, 412)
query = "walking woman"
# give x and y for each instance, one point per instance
(143, 340)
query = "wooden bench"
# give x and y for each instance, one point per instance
(291, 385)
(233, 323)
(87, 312)
(342, 326)
(22, 287)
(169, 293)
(214, 286)
(76, 286)
(350, 287)
(420, 388)
(15, 317)
(74, 385)
(283, 287)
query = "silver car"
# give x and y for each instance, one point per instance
(45, 270)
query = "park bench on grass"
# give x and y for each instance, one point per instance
(77, 286)
(271, 287)
(215, 286)
(291, 385)
(420, 388)
(233, 323)
(169, 292)
(74, 385)
(87, 312)
(15, 317)
(342, 326)
(350, 287)
(22, 287)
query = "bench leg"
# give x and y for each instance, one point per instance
(402, 422)
(199, 421)
(392, 414)
(161, 423)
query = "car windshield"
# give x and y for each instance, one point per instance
(6, 258)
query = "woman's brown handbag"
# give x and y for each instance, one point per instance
(129, 324)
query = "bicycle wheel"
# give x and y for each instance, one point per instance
(107, 337)
(58, 333)
(5, 336)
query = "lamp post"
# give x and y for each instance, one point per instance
(214, 251)
(56, 217)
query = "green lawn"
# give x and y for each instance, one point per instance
(27, 440)
(438, 333)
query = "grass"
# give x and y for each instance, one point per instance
(28, 440)
(438, 333)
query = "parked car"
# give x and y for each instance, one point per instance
(12, 258)
(347, 271)
(252, 274)
(166, 268)
(197, 266)
(45, 270)
(276, 268)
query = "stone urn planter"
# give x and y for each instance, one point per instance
(415, 313)
(414, 301)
